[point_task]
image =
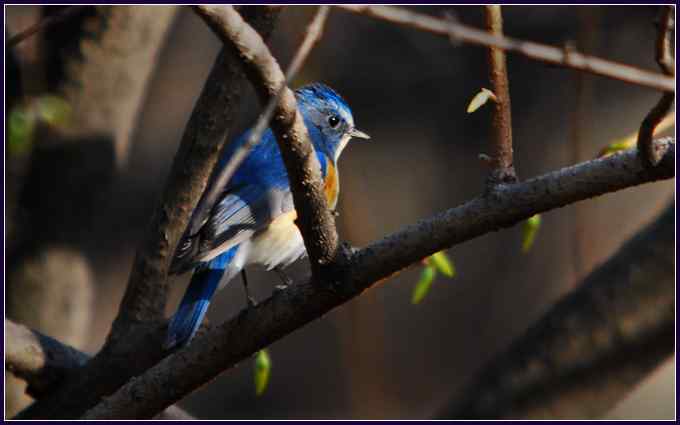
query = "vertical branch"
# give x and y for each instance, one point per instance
(649, 156)
(503, 170)
(587, 41)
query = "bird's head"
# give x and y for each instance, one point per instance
(328, 118)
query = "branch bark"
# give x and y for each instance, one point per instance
(503, 170)
(591, 348)
(43, 362)
(541, 52)
(38, 359)
(138, 330)
(315, 221)
(664, 58)
(313, 34)
(287, 310)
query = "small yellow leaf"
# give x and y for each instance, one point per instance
(263, 366)
(529, 230)
(617, 146)
(423, 286)
(442, 263)
(480, 99)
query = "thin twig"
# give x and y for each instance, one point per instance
(541, 52)
(502, 168)
(44, 23)
(587, 40)
(312, 35)
(665, 60)
(646, 147)
(288, 310)
(314, 219)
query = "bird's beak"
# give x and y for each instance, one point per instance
(359, 134)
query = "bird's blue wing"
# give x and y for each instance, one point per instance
(240, 214)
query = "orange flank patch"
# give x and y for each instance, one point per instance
(331, 185)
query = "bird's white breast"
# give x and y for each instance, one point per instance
(280, 244)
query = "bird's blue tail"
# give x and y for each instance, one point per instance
(192, 309)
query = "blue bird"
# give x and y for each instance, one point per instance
(253, 222)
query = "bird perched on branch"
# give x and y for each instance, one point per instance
(253, 221)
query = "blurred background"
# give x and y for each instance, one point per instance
(378, 356)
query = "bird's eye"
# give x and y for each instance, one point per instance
(333, 121)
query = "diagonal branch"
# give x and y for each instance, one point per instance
(288, 310)
(198, 152)
(665, 60)
(540, 52)
(593, 346)
(136, 332)
(503, 170)
(312, 35)
(315, 220)
(43, 24)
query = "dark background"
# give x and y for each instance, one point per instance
(379, 356)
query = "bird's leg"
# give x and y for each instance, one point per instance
(249, 300)
(285, 279)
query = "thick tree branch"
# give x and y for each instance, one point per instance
(503, 170)
(315, 220)
(287, 310)
(43, 362)
(199, 150)
(591, 348)
(541, 52)
(665, 60)
(137, 332)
